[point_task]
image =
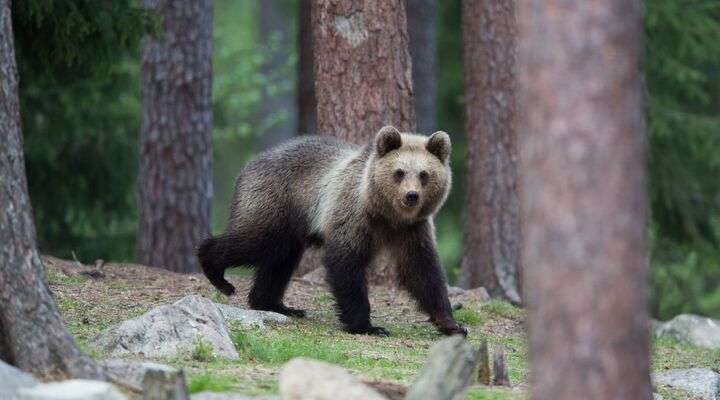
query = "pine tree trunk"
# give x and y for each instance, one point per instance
(175, 179)
(421, 22)
(307, 106)
(492, 236)
(278, 115)
(32, 334)
(362, 75)
(584, 198)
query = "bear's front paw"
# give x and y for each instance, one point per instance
(454, 329)
(369, 330)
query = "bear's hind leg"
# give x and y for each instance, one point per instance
(272, 277)
(216, 254)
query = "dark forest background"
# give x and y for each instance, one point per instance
(80, 102)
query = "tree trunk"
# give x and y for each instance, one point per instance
(362, 75)
(492, 236)
(278, 115)
(32, 334)
(584, 198)
(307, 106)
(421, 22)
(175, 179)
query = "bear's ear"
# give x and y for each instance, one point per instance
(387, 139)
(439, 145)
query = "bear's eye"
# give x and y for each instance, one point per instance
(399, 174)
(424, 177)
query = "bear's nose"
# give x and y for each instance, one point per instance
(411, 198)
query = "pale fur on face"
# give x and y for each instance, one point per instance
(403, 163)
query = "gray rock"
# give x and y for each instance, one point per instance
(692, 329)
(74, 389)
(455, 291)
(252, 318)
(656, 396)
(305, 379)
(228, 396)
(164, 384)
(701, 382)
(12, 380)
(131, 373)
(447, 372)
(169, 331)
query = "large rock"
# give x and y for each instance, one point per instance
(305, 379)
(169, 331)
(12, 380)
(701, 382)
(251, 318)
(74, 389)
(447, 372)
(132, 373)
(693, 329)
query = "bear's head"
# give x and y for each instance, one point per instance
(408, 176)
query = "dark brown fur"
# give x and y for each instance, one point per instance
(350, 200)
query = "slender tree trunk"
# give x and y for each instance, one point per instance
(307, 106)
(492, 236)
(421, 22)
(32, 334)
(584, 198)
(175, 180)
(362, 76)
(278, 114)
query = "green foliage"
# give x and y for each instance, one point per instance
(79, 107)
(682, 70)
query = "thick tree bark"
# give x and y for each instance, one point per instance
(278, 113)
(422, 31)
(32, 334)
(362, 75)
(307, 106)
(175, 179)
(362, 68)
(492, 236)
(584, 198)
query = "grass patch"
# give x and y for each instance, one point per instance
(217, 297)
(669, 353)
(323, 299)
(212, 383)
(466, 316)
(202, 350)
(502, 309)
(258, 346)
(55, 277)
(493, 394)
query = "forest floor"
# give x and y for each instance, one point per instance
(90, 305)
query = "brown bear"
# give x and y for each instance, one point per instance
(351, 200)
